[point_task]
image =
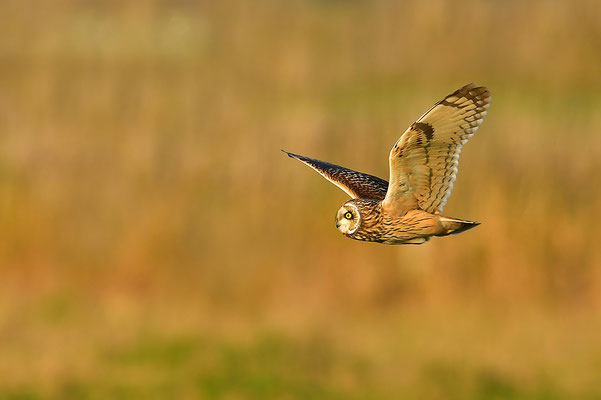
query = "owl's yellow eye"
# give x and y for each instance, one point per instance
(348, 215)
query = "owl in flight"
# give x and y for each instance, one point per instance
(423, 167)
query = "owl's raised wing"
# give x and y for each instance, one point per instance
(355, 184)
(423, 162)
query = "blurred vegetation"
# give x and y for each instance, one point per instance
(155, 242)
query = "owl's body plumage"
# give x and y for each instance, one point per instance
(423, 167)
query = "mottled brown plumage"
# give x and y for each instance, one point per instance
(423, 167)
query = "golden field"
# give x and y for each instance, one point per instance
(155, 242)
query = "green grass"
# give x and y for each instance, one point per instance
(421, 356)
(275, 367)
(239, 374)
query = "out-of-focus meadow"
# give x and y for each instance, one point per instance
(155, 242)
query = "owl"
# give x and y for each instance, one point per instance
(423, 166)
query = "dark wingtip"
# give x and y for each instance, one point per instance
(291, 155)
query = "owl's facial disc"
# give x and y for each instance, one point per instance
(348, 219)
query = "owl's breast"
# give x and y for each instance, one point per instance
(415, 226)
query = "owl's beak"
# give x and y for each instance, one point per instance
(337, 224)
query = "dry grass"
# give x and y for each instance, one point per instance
(156, 243)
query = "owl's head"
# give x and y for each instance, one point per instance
(348, 218)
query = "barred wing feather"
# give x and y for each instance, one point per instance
(423, 162)
(355, 184)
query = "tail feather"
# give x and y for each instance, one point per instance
(453, 226)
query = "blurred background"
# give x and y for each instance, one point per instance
(155, 242)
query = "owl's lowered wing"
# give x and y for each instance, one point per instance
(355, 184)
(423, 162)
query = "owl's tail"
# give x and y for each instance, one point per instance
(453, 226)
